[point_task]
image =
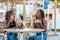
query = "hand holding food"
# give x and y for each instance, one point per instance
(37, 21)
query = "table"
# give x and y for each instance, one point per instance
(26, 30)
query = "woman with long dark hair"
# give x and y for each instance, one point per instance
(10, 23)
(41, 24)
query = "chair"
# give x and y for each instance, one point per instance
(1, 36)
(1, 32)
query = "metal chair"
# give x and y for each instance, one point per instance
(1, 31)
(1, 36)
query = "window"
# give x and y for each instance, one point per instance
(50, 16)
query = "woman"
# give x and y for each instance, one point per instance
(41, 24)
(10, 23)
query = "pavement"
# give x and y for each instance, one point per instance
(54, 37)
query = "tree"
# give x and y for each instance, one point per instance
(57, 0)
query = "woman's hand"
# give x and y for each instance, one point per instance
(7, 25)
(45, 24)
(10, 21)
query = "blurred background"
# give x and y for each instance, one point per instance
(26, 8)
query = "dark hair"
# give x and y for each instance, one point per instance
(7, 17)
(21, 17)
(11, 11)
(42, 12)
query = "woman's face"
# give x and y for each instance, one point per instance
(38, 14)
(12, 15)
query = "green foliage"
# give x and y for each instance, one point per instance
(57, 0)
(51, 0)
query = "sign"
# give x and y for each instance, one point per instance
(46, 2)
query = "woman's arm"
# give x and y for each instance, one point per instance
(6, 25)
(16, 25)
(45, 24)
(15, 21)
(33, 18)
(31, 24)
